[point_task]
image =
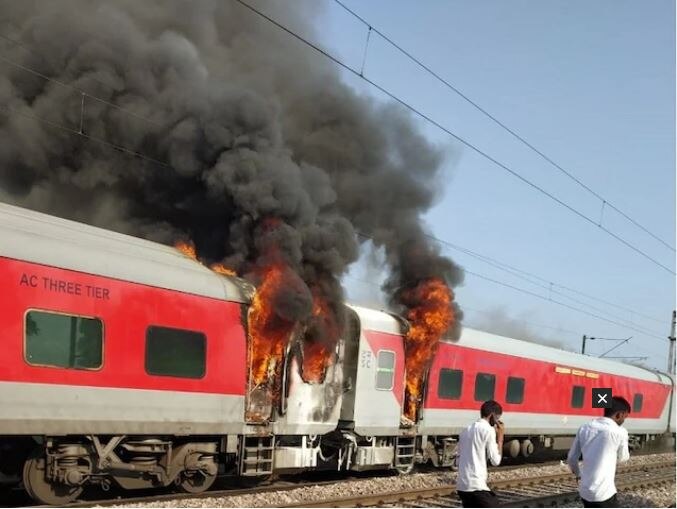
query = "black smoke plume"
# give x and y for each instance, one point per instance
(248, 123)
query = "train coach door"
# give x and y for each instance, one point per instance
(380, 383)
(259, 397)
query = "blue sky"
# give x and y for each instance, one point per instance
(592, 85)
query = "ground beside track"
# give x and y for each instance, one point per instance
(643, 498)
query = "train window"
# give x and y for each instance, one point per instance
(175, 352)
(485, 383)
(577, 396)
(385, 370)
(450, 384)
(637, 402)
(515, 390)
(63, 341)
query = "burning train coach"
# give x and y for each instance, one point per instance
(128, 362)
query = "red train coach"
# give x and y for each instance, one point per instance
(545, 393)
(118, 349)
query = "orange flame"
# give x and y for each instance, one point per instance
(187, 248)
(430, 315)
(222, 269)
(269, 333)
(317, 350)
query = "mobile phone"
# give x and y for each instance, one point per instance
(492, 420)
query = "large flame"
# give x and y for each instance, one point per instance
(430, 315)
(269, 333)
(322, 334)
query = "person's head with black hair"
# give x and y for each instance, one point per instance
(491, 408)
(619, 410)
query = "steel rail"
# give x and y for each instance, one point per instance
(515, 492)
(446, 493)
(632, 482)
(277, 485)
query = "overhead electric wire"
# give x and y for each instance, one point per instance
(135, 153)
(475, 310)
(77, 89)
(524, 275)
(543, 297)
(369, 283)
(603, 200)
(614, 347)
(21, 45)
(521, 320)
(614, 319)
(389, 94)
(453, 135)
(547, 285)
(143, 156)
(55, 125)
(155, 161)
(509, 268)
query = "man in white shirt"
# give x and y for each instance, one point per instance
(603, 443)
(481, 439)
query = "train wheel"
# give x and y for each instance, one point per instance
(197, 482)
(41, 489)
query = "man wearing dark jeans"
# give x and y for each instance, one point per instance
(481, 439)
(602, 442)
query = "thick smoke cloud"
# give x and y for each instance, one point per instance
(251, 126)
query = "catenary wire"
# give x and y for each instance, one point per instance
(455, 136)
(489, 260)
(395, 98)
(19, 44)
(548, 286)
(77, 89)
(101, 141)
(510, 268)
(104, 142)
(457, 91)
(549, 299)
(374, 285)
(564, 304)
(162, 163)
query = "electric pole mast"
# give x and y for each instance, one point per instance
(671, 353)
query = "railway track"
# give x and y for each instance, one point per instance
(538, 491)
(276, 486)
(543, 490)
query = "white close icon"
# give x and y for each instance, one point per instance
(601, 398)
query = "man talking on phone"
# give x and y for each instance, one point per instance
(482, 439)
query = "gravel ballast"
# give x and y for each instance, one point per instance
(659, 496)
(653, 497)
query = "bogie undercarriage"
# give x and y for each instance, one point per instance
(55, 470)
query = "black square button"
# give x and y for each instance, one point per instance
(601, 398)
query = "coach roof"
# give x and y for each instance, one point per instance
(481, 340)
(48, 240)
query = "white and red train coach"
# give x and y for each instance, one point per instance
(125, 361)
(545, 392)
